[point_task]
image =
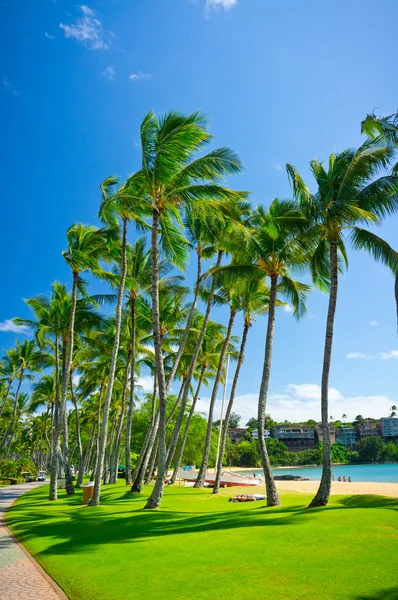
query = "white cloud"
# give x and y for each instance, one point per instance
(276, 165)
(359, 355)
(109, 73)
(8, 87)
(8, 325)
(388, 355)
(139, 76)
(146, 383)
(86, 30)
(288, 308)
(300, 402)
(217, 4)
(49, 36)
(379, 355)
(373, 323)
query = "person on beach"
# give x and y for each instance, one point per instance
(247, 498)
(339, 478)
(333, 477)
(349, 480)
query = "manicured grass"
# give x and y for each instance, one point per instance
(198, 546)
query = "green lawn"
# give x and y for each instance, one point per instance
(201, 547)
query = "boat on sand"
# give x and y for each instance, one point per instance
(228, 479)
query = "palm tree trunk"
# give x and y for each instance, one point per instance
(322, 496)
(131, 401)
(152, 463)
(66, 369)
(396, 295)
(116, 447)
(6, 395)
(200, 480)
(107, 460)
(225, 425)
(69, 487)
(139, 474)
(87, 458)
(78, 435)
(272, 494)
(156, 496)
(189, 320)
(14, 414)
(115, 352)
(56, 449)
(187, 424)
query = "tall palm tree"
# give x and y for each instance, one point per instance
(387, 128)
(252, 297)
(350, 193)
(116, 206)
(30, 360)
(172, 180)
(275, 247)
(9, 367)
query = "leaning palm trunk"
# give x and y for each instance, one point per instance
(230, 405)
(272, 494)
(78, 436)
(116, 447)
(3, 404)
(66, 370)
(107, 460)
(200, 480)
(322, 496)
(131, 401)
(10, 427)
(137, 485)
(112, 370)
(152, 463)
(198, 345)
(187, 424)
(396, 294)
(64, 426)
(56, 437)
(87, 458)
(156, 496)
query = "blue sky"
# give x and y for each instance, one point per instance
(280, 81)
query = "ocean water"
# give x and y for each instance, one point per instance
(377, 473)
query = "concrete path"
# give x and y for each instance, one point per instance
(21, 578)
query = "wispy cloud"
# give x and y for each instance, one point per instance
(380, 355)
(276, 165)
(8, 87)
(139, 76)
(374, 323)
(87, 30)
(299, 402)
(9, 326)
(49, 36)
(288, 308)
(109, 73)
(217, 4)
(145, 383)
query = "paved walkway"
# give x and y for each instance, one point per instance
(21, 578)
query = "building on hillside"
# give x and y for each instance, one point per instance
(367, 428)
(254, 434)
(319, 434)
(389, 428)
(346, 436)
(296, 437)
(237, 434)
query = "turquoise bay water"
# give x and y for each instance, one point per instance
(380, 473)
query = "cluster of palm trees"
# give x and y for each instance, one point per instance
(179, 199)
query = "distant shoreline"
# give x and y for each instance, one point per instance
(311, 466)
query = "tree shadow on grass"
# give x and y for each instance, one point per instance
(368, 501)
(390, 594)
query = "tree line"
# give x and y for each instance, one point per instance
(180, 207)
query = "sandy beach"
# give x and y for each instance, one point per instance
(339, 487)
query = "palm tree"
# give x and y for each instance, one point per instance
(30, 360)
(275, 247)
(115, 206)
(387, 127)
(349, 194)
(172, 179)
(44, 393)
(252, 297)
(9, 367)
